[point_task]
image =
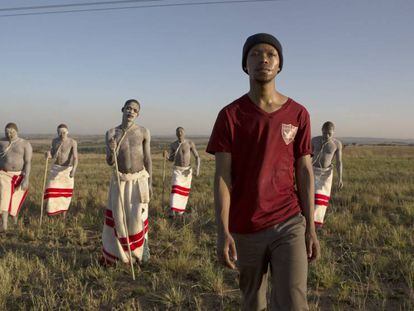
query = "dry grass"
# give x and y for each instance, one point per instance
(367, 260)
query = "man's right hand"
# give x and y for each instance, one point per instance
(48, 155)
(226, 250)
(165, 154)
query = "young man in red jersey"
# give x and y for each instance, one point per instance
(262, 144)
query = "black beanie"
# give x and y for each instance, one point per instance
(261, 38)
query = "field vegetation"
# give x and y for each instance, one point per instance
(367, 244)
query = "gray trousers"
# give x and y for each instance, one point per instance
(283, 248)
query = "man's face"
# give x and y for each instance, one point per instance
(62, 132)
(130, 112)
(180, 133)
(327, 133)
(11, 133)
(262, 62)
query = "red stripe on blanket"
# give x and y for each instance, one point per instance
(318, 224)
(132, 238)
(177, 209)
(321, 196)
(135, 245)
(108, 213)
(15, 182)
(181, 188)
(184, 194)
(56, 213)
(57, 195)
(109, 255)
(319, 202)
(110, 222)
(64, 190)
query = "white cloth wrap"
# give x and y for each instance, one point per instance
(135, 196)
(181, 185)
(11, 194)
(59, 189)
(323, 183)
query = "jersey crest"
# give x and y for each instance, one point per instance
(289, 132)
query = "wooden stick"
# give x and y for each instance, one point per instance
(43, 193)
(124, 213)
(163, 182)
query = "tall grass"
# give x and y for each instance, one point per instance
(367, 245)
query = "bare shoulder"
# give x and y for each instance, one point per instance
(111, 132)
(338, 143)
(25, 143)
(316, 139)
(191, 143)
(144, 132)
(73, 142)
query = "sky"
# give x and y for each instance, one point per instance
(350, 62)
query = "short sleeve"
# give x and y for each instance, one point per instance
(221, 138)
(302, 144)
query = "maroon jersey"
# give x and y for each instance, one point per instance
(264, 147)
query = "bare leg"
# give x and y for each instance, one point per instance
(4, 217)
(14, 219)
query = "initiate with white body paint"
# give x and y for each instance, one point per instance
(59, 189)
(15, 165)
(180, 154)
(325, 149)
(131, 144)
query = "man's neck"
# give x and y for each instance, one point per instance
(63, 138)
(265, 95)
(126, 125)
(326, 139)
(14, 139)
(181, 140)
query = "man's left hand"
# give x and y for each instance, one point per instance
(312, 246)
(340, 184)
(25, 184)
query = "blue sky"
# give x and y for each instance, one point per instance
(350, 62)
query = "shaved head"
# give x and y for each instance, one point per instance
(130, 101)
(60, 126)
(328, 125)
(12, 125)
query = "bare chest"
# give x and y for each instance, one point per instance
(12, 154)
(64, 148)
(184, 149)
(132, 141)
(327, 149)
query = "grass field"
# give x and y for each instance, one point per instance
(367, 245)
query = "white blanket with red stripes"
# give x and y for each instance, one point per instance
(135, 195)
(323, 183)
(59, 190)
(11, 195)
(181, 185)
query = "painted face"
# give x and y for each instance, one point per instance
(327, 133)
(11, 133)
(262, 62)
(130, 112)
(62, 132)
(180, 133)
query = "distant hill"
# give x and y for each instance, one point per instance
(163, 141)
(375, 141)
